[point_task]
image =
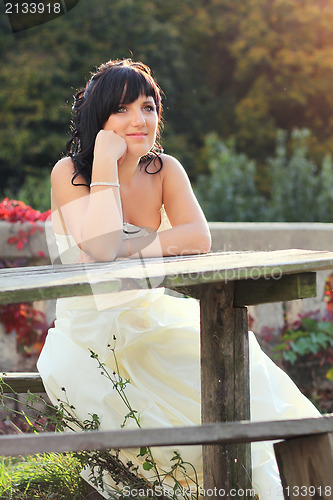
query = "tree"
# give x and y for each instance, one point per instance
(284, 62)
(44, 66)
(240, 69)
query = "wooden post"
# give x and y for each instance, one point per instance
(225, 387)
(306, 467)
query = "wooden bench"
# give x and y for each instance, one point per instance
(225, 283)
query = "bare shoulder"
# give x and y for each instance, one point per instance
(62, 189)
(172, 168)
(62, 170)
(170, 162)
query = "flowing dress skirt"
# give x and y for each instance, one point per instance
(156, 341)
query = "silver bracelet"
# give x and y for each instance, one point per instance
(114, 184)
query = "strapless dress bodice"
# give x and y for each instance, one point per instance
(69, 252)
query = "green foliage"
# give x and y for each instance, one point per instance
(35, 191)
(229, 193)
(299, 189)
(283, 67)
(325, 191)
(36, 98)
(42, 477)
(294, 185)
(240, 69)
(312, 337)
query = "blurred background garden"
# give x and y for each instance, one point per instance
(248, 106)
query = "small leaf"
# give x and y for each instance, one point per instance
(290, 356)
(326, 326)
(310, 324)
(147, 465)
(281, 347)
(329, 374)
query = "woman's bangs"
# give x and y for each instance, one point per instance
(136, 85)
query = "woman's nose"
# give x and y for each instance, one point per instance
(138, 118)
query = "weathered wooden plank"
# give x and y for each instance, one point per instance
(49, 291)
(240, 363)
(44, 282)
(306, 466)
(231, 432)
(21, 382)
(279, 289)
(225, 384)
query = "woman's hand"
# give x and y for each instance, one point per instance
(109, 146)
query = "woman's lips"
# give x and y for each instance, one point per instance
(137, 134)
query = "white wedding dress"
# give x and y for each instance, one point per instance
(157, 349)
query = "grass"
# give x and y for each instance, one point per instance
(49, 476)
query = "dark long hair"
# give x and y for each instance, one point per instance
(114, 83)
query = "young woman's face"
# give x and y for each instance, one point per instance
(137, 123)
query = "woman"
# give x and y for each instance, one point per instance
(110, 197)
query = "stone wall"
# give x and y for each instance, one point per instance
(30, 254)
(226, 236)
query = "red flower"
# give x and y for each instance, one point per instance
(21, 239)
(18, 211)
(29, 323)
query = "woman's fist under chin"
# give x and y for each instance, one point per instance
(109, 145)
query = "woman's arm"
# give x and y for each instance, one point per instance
(189, 233)
(93, 217)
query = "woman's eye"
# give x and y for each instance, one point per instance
(149, 107)
(121, 109)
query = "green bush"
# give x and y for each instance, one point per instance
(294, 185)
(310, 337)
(35, 191)
(299, 190)
(325, 195)
(229, 192)
(46, 477)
